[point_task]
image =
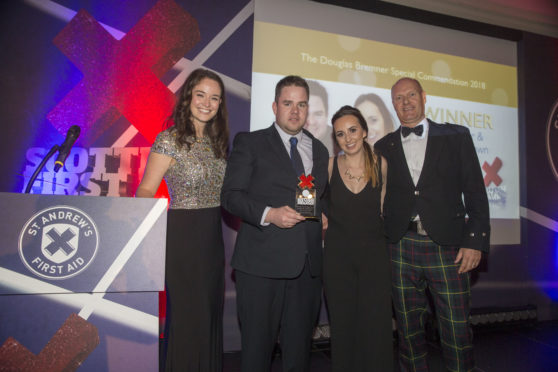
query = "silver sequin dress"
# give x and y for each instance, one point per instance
(195, 256)
(195, 180)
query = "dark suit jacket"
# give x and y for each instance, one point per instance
(259, 174)
(450, 176)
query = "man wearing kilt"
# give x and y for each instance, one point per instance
(437, 224)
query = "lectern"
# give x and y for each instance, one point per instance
(79, 282)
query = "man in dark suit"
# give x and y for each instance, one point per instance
(278, 253)
(437, 223)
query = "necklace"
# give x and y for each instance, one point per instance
(351, 177)
(348, 173)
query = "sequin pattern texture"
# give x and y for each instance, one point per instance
(194, 181)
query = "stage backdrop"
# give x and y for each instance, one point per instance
(536, 274)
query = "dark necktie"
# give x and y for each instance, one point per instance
(295, 157)
(405, 131)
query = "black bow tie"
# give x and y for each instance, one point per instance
(405, 131)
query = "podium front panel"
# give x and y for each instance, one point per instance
(79, 281)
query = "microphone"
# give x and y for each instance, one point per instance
(64, 149)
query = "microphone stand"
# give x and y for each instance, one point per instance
(51, 152)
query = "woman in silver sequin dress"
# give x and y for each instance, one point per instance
(190, 156)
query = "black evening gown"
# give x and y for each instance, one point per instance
(195, 258)
(357, 280)
(195, 285)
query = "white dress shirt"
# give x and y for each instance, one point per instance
(414, 148)
(304, 147)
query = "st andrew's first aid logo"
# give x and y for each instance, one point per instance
(58, 242)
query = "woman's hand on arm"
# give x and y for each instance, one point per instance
(156, 167)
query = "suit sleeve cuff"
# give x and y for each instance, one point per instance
(477, 240)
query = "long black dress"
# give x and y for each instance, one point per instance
(357, 280)
(195, 258)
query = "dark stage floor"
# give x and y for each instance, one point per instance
(524, 348)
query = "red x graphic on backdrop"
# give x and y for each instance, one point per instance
(121, 77)
(492, 172)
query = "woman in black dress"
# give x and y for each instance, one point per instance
(356, 263)
(190, 156)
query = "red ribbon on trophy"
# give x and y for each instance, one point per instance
(306, 181)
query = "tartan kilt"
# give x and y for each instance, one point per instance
(418, 263)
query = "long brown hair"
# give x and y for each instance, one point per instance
(180, 120)
(371, 162)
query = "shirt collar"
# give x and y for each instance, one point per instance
(285, 137)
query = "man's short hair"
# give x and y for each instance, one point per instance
(288, 81)
(317, 89)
